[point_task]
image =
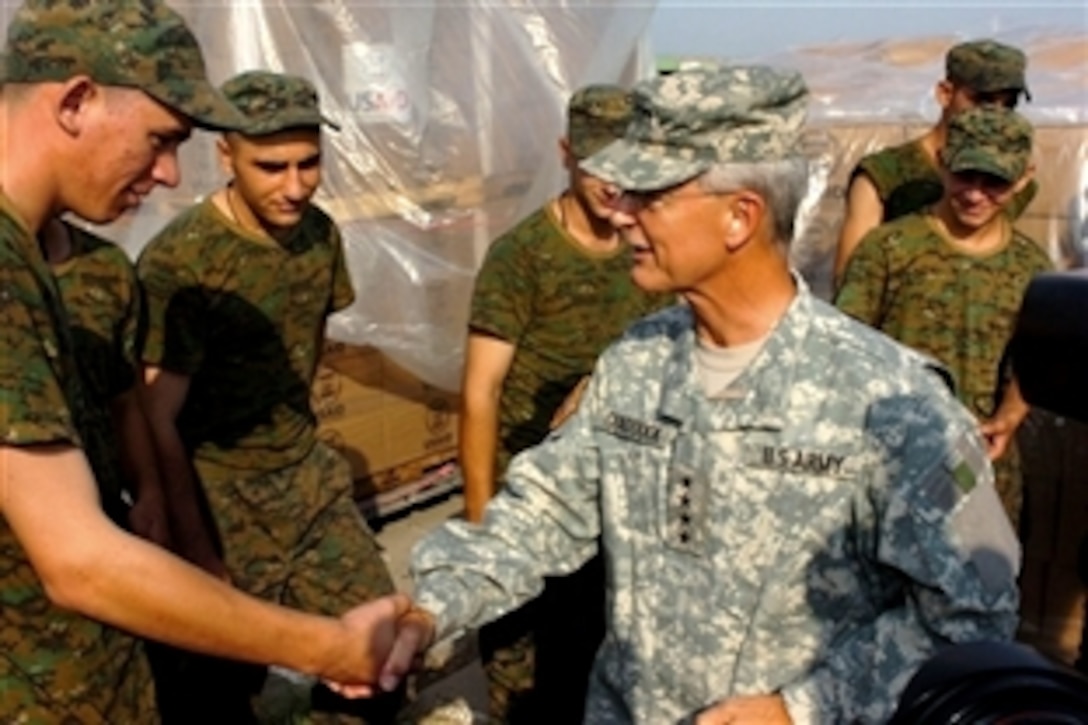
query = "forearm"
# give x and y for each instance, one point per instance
(141, 588)
(545, 522)
(478, 447)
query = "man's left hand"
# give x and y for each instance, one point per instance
(754, 710)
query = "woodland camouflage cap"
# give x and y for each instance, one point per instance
(273, 102)
(987, 66)
(597, 115)
(142, 44)
(995, 141)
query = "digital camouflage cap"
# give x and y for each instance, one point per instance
(141, 44)
(273, 102)
(688, 121)
(987, 66)
(597, 115)
(995, 141)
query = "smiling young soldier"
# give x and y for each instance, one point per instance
(239, 287)
(906, 178)
(948, 281)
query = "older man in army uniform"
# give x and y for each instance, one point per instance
(551, 294)
(238, 290)
(905, 179)
(793, 509)
(95, 99)
(948, 281)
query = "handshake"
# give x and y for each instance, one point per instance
(385, 637)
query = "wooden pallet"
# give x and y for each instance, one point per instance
(410, 484)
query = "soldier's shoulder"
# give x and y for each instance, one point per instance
(526, 232)
(864, 359)
(658, 330)
(1031, 250)
(187, 235)
(887, 157)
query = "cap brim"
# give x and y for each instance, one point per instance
(981, 162)
(635, 167)
(202, 103)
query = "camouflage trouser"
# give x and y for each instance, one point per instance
(120, 691)
(296, 537)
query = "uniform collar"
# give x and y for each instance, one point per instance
(758, 398)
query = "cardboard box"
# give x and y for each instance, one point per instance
(391, 426)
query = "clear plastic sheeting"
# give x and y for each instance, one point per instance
(869, 96)
(450, 116)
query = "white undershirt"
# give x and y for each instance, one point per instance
(717, 367)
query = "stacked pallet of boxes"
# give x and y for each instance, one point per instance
(391, 426)
(862, 109)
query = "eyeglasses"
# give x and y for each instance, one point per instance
(657, 199)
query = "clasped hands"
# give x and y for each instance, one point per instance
(392, 633)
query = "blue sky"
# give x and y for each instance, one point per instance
(739, 29)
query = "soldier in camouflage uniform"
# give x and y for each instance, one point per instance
(904, 179)
(794, 510)
(100, 292)
(95, 99)
(551, 294)
(948, 281)
(239, 287)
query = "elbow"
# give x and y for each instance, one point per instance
(68, 581)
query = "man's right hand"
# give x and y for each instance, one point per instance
(394, 633)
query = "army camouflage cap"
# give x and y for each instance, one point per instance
(141, 44)
(987, 66)
(995, 141)
(688, 121)
(597, 115)
(274, 102)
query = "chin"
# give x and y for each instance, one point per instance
(651, 281)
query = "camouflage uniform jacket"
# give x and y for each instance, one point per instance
(242, 316)
(817, 529)
(560, 305)
(55, 665)
(907, 281)
(102, 298)
(907, 181)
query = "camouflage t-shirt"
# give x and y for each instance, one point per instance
(241, 315)
(907, 181)
(907, 281)
(102, 299)
(561, 305)
(55, 665)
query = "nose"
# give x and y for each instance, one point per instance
(295, 186)
(622, 217)
(167, 170)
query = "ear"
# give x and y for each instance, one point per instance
(742, 218)
(73, 103)
(943, 92)
(1025, 179)
(566, 155)
(225, 155)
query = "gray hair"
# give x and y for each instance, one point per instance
(781, 183)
